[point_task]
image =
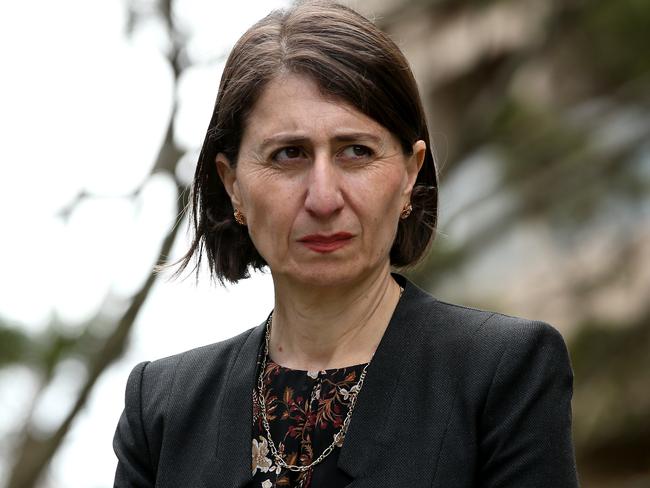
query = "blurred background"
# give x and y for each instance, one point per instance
(540, 118)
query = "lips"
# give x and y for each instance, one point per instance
(326, 243)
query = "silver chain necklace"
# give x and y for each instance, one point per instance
(338, 437)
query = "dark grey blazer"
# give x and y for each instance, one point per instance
(454, 397)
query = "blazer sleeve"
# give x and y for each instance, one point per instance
(134, 467)
(526, 437)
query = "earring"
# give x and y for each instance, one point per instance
(240, 217)
(406, 211)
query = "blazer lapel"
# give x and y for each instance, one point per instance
(367, 436)
(368, 441)
(232, 466)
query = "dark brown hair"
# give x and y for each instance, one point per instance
(351, 60)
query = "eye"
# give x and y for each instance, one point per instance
(290, 153)
(356, 152)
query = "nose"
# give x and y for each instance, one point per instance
(324, 197)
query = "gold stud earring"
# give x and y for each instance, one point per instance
(240, 217)
(406, 211)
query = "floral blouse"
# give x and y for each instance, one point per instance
(305, 410)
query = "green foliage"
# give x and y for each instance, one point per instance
(534, 139)
(41, 351)
(612, 398)
(614, 341)
(14, 345)
(55, 345)
(617, 36)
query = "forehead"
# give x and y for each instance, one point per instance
(294, 103)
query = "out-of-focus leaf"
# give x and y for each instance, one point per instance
(14, 345)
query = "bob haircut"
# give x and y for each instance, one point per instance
(351, 61)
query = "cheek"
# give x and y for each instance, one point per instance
(379, 196)
(270, 212)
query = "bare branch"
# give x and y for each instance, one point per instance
(34, 454)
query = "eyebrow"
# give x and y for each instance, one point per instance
(297, 140)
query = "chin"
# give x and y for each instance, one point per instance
(327, 275)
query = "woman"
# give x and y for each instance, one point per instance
(317, 164)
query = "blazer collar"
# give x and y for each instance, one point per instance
(232, 466)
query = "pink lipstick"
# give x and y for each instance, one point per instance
(326, 243)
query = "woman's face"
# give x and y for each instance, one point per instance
(321, 185)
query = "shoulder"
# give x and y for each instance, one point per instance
(508, 384)
(203, 357)
(169, 397)
(474, 341)
(494, 329)
(493, 360)
(459, 326)
(493, 355)
(498, 335)
(192, 369)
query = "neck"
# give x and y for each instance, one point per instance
(317, 329)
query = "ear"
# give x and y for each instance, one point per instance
(414, 164)
(228, 174)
